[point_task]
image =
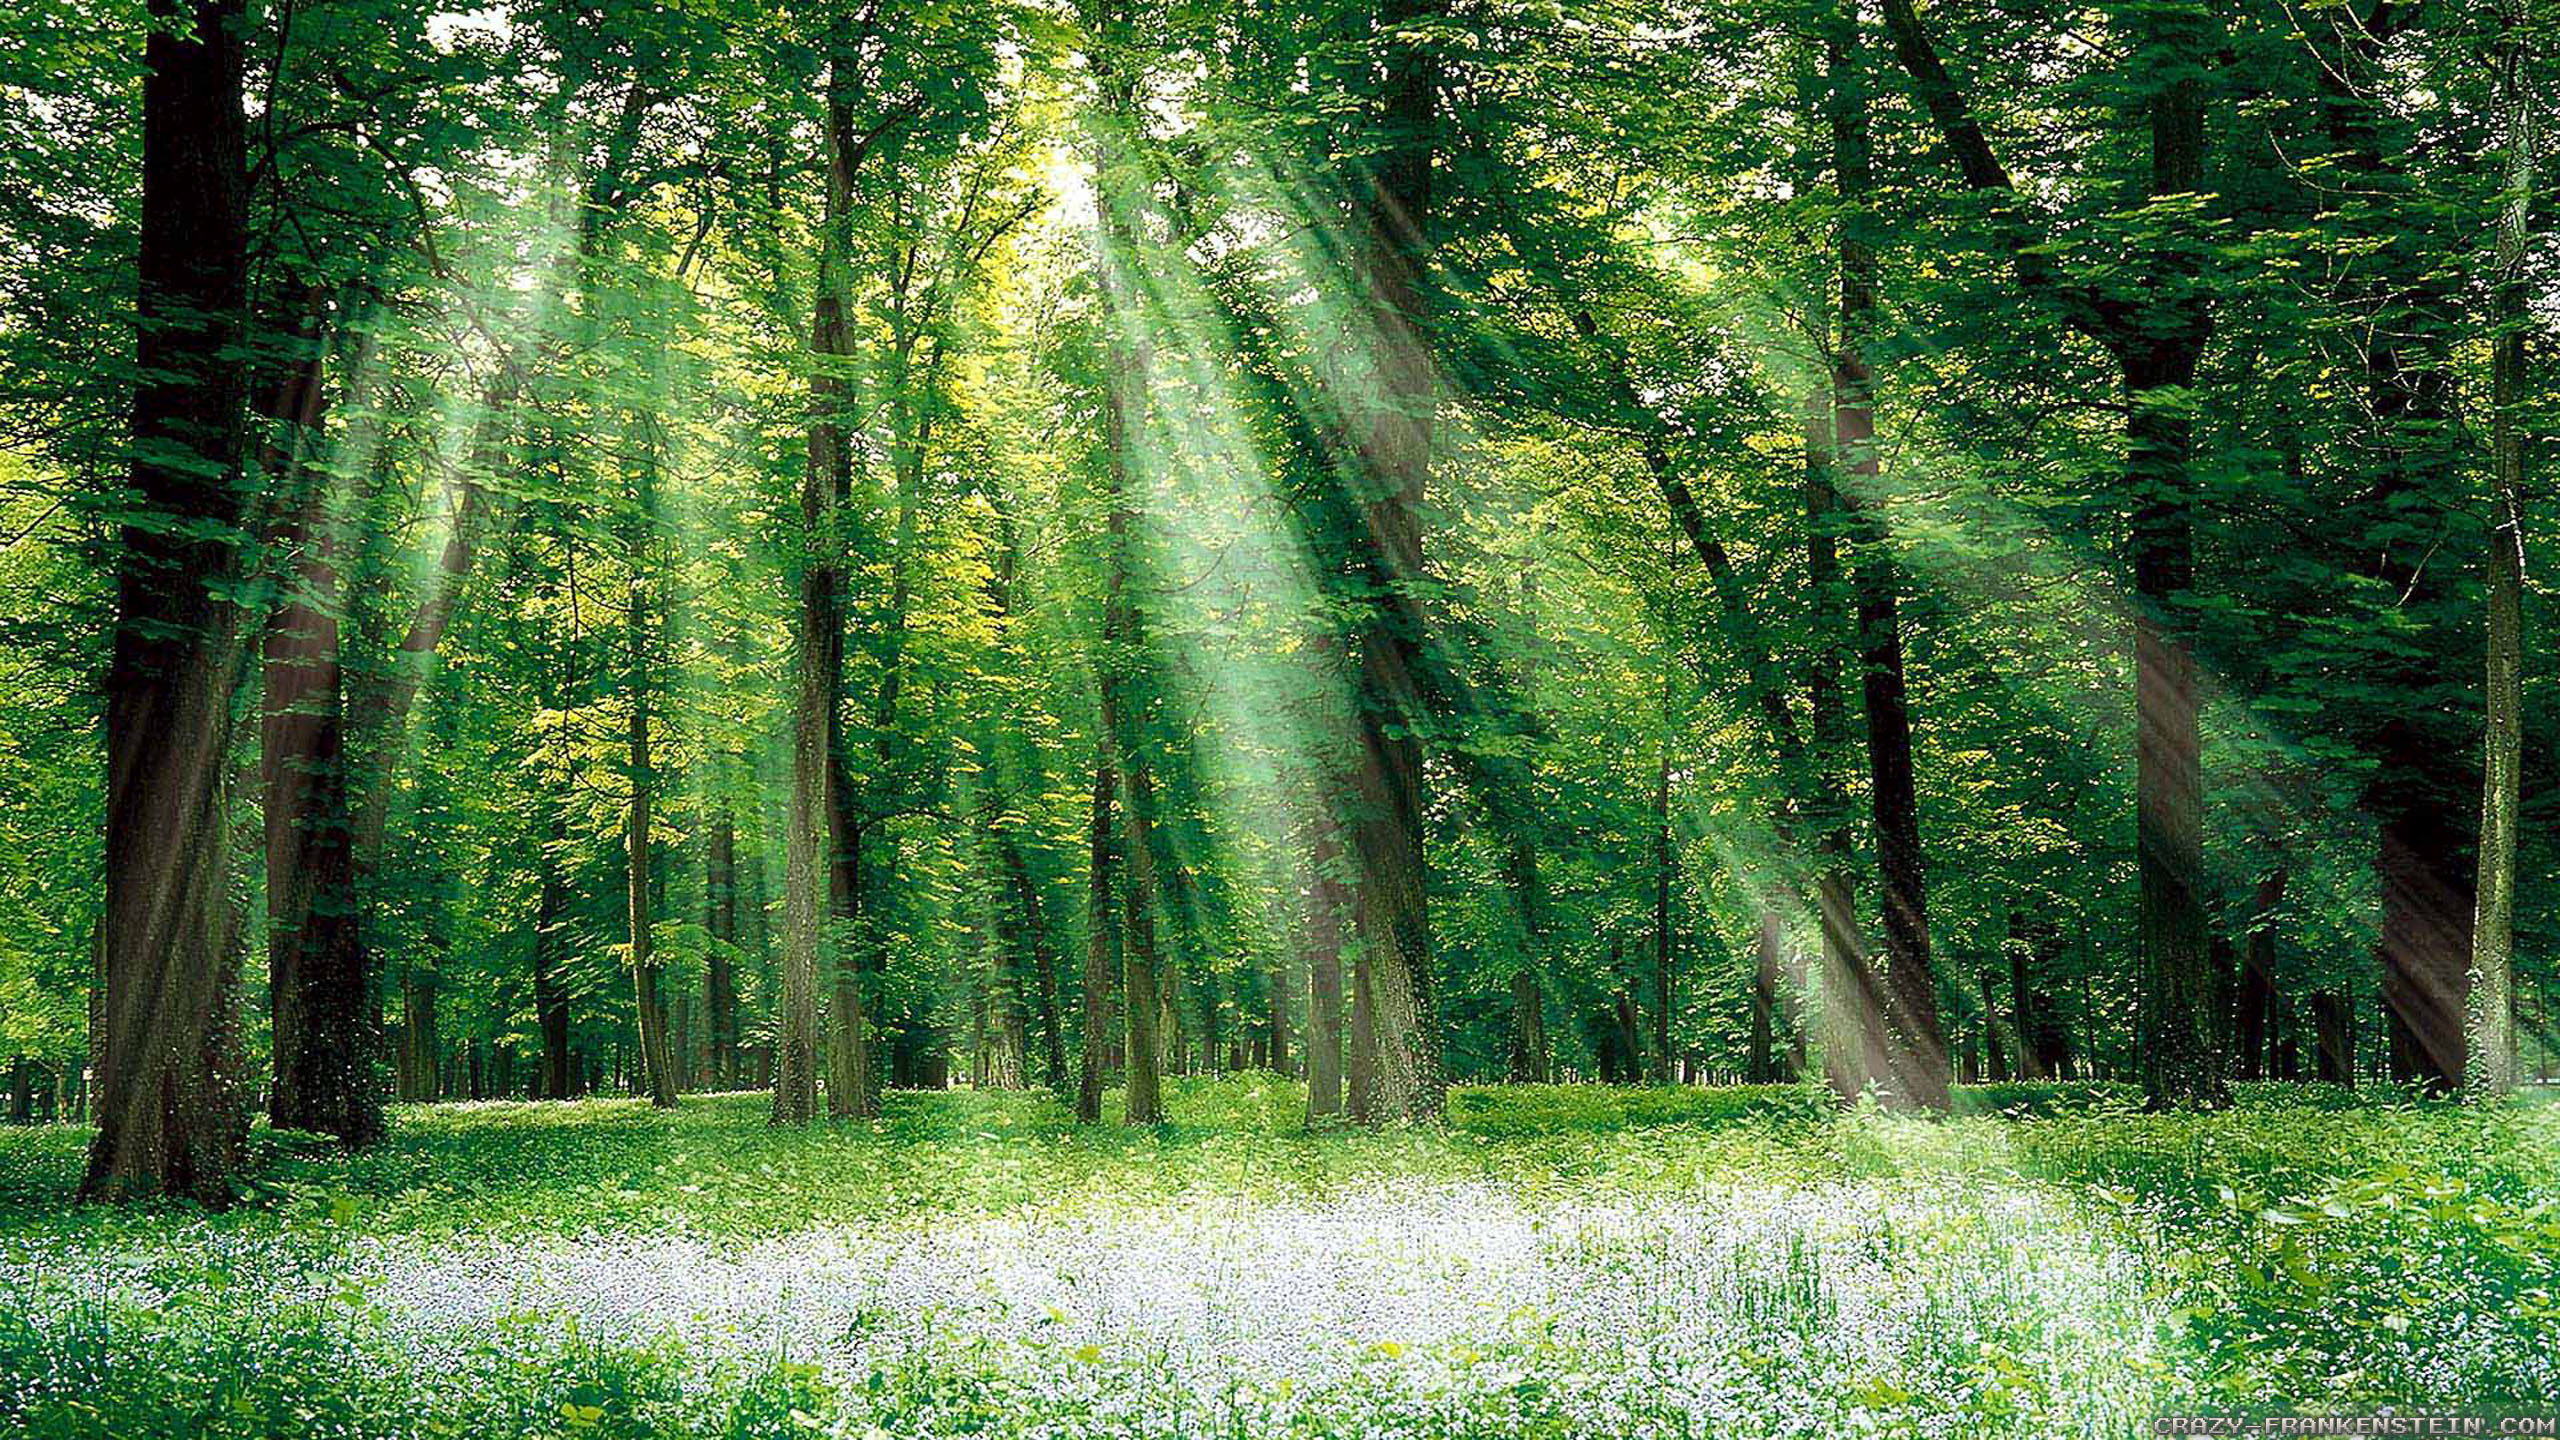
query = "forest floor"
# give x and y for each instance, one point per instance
(1552, 1262)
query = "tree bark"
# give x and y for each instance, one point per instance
(1919, 1051)
(719, 969)
(817, 846)
(1392, 430)
(2489, 1015)
(1327, 902)
(1127, 408)
(657, 1059)
(1658, 1062)
(2156, 340)
(322, 1006)
(1098, 949)
(550, 997)
(166, 1041)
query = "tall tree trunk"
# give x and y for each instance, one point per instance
(2489, 1016)
(2156, 338)
(1099, 931)
(323, 1008)
(1126, 410)
(1919, 1051)
(1392, 429)
(1044, 964)
(1853, 1005)
(550, 994)
(1764, 1001)
(817, 846)
(1327, 903)
(1528, 1030)
(2251, 1025)
(418, 986)
(166, 1042)
(2334, 1028)
(1995, 1058)
(657, 1059)
(719, 967)
(1658, 1062)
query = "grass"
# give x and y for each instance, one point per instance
(1562, 1261)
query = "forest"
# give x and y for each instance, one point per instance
(1543, 718)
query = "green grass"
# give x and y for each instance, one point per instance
(1553, 1261)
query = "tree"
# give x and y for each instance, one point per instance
(2490, 1066)
(166, 1027)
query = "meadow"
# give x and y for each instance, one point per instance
(1553, 1261)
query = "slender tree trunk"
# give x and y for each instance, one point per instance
(2334, 1028)
(2489, 1016)
(1659, 1061)
(817, 846)
(1098, 957)
(1919, 1051)
(1764, 1001)
(550, 995)
(166, 1041)
(657, 1059)
(2156, 340)
(719, 967)
(322, 1005)
(1327, 904)
(1127, 408)
(1044, 964)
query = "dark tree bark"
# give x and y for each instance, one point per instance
(1326, 903)
(719, 970)
(1995, 1058)
(167, 1026)
(657, 1057)
(2156, 338)
(1764, 1067)
(2334, 1029)
(2254, 1007)
(1659, 1060)
(550, 995)
(1100, 929)
(2490, 1031)
(1044, 964)
(1529, 1055)
(1919, 1050)
(1127, 409)
(1392, 422)
(323, 1008)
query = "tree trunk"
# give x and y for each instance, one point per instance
(657, 1058)
(1392, 424)
(1995, 1059)
(1659, 1060)
(166, 1042)
(2489, 1015)
(2256, 1002)
(1098, 956)
(2156, 340)
(1127, 409)
(550, 997)
(2333, 1022)
(719, 969)
(817, 846)
(1328, 901)
(418, 1033)
(1919, 1052)
(323, 1016)
(1764, 1001)
(1528, 1029)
